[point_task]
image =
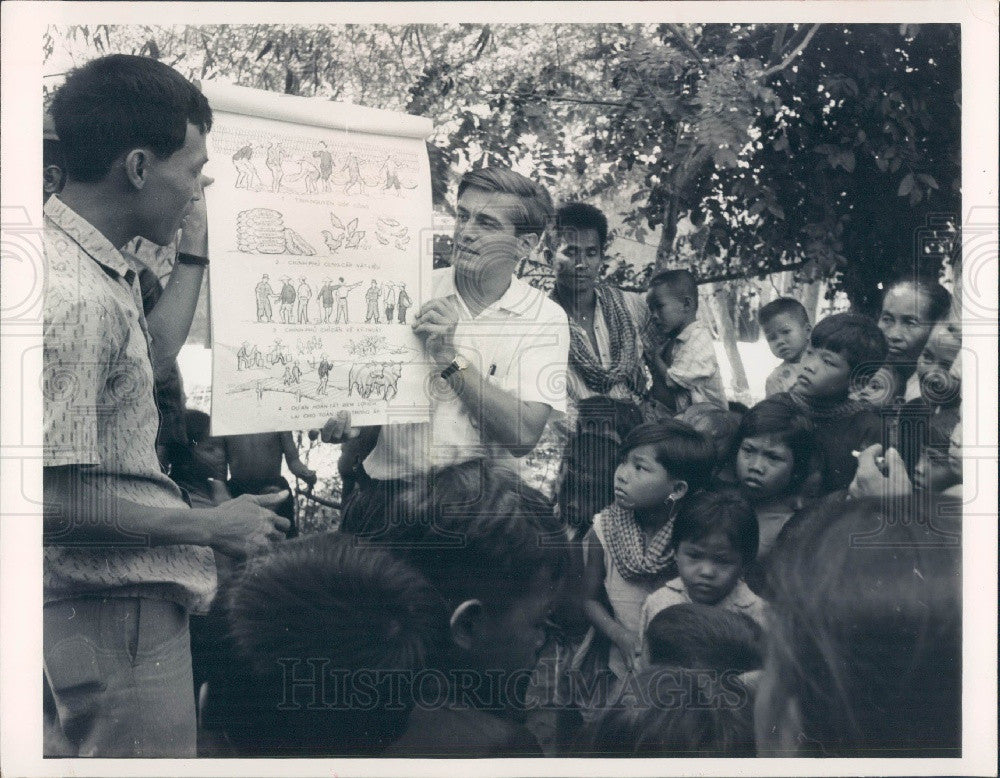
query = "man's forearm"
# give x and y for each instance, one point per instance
(77, 514)
(170, 320)
(514, 424)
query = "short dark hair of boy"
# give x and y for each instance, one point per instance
(680, 712)
(583, 216)
(720, 425)
(725, 511)
(476, 531)
(854, 337)
(939, 297)
(705, 637)
(681, 283)
(781, 416)
(535, 213)
(781, 306)
(197, 424)
(121, 102)
(684, 452)
(866, 634)
(318, 604)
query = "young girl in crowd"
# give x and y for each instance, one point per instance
(775, 456)
(628, 552)
(879, 389)
(940, 392)
(714, 540)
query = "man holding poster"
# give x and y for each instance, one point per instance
(497, 345)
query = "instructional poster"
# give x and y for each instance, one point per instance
(319, 233)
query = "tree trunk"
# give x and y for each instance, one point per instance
(727, 331)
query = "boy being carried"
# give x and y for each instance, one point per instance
(786, 328)
(684, 369)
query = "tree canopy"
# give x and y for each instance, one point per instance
(830, 149)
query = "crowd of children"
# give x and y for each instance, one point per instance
(722, 604)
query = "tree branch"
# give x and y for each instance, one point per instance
(685, 43)
(792, 54)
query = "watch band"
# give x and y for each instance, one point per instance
(191, 259)
(458, 363)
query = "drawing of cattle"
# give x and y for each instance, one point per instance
(375, 379)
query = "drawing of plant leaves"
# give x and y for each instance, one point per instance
(336, 222)
(352, 225)
(354, 239)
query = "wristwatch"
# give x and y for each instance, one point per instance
(458, 363)
(191, 259)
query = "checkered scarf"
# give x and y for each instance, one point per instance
(625, 367)
(624, 537)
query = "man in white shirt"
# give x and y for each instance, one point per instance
(497, 345)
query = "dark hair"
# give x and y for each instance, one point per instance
(583, 216)
(120, 102)
(866, 634)
(781, 306)
(939, 297)
(737, 407)
(318, 604)
(535, 212)
(705, 637)
(197, 424)
(725, 511)
(854, 337)
(678, 712)
(720, 425)
(684, 452)
(476, 531)
(681, 283)
(781, 416)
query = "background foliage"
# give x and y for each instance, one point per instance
(739, 150)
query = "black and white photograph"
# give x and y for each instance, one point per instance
(517, 383)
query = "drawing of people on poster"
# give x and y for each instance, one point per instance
(325, 236)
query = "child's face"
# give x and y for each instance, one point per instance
(937, 383)
(641, 482)
(879, 389)
(823, 374)
(710, 568)
(512, 640)
(787, 336)
(764, 466)
(934, 472)
(670, 311)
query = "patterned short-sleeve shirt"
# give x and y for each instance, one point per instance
(695, 368)
(100, 417)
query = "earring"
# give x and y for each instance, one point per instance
(671, 503)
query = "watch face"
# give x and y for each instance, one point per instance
(461, 362)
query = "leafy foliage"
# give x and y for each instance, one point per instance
(831, 149)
